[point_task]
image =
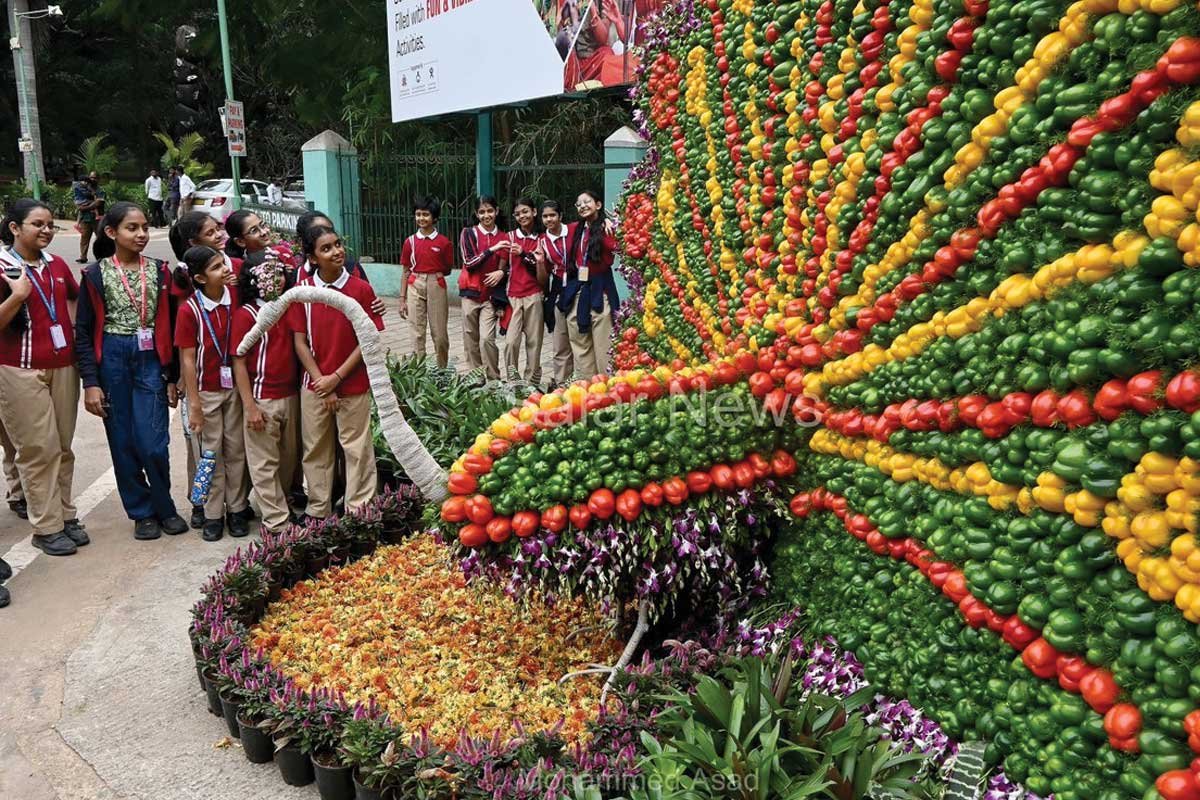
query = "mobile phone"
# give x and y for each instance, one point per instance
(13, 271)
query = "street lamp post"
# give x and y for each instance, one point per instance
(31, 137)
(228, 68)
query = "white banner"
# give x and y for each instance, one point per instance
(458, 55)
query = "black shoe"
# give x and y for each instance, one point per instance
(56, 544)
(75, 531)
(19, 507)
(173, 525)
(197, 520)
(81, 261)
(5, 571)
(298, 500)
(298, 518)
(238, 526)
(5, 598)
(246, 514)
(213, 530)
(146, 529)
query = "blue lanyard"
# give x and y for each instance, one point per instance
(222, 353)
(50, 302)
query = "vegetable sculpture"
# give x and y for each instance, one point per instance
(936, 260)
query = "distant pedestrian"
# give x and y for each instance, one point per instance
(172, 204)
(426, 258)
(39, 384)
(88, 209)
(274, 192)
(154, 193)
(187, 191)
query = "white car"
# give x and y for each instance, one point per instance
(215, 197)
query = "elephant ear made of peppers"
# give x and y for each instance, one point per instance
(964, 236)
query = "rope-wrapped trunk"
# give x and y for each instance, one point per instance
(418, 464)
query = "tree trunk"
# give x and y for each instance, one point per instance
(27, 102)
(418, 464)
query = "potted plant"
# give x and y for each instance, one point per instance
(227, 677)
(254, 712)
(208, 677)
(334, 781)
(399, 511)
(363, 527)
(287, 724)
(364, 742)
(246, 582)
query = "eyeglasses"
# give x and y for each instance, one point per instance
(42, 226)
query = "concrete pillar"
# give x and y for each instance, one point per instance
(331, 182)
(624, 148)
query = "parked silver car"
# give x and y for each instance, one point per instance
(215, 197)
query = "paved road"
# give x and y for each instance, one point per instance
(98, 698)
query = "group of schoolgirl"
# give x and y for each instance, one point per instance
(542, 276)
(138, 335)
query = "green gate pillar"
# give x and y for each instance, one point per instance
(485, 167)
(331, 182)
(624, 148)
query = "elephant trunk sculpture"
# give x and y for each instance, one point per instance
(418, 464)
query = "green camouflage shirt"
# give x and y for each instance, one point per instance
(120, 314)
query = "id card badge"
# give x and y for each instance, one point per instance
(226, 377)
(145, 338)
(57, 337)
(583, 274)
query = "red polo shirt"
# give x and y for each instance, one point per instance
(272, 363)
(427, 255)
(190, 331)
(32, 348)
(522, 281)
(557, 248)
(330, 335)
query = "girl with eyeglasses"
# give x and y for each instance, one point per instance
(589, 294)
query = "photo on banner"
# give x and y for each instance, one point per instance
(595, 39)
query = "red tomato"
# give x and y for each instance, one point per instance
(580, 516)
(499, 529)
(675, 490)
(472, 535)
(782, 463)
(554, 518)
(477, 464)
(1177, 784)
(1099, 690)
(722, 476)
(499, 447)
(479, 509)
(454, 509)
(462, 483)
(525, 523)
(1123, 721)
(602, 504)
(761, 467)
(652, 494)
(698, 482)
(761, 383)
(629, 504)
(743, 475)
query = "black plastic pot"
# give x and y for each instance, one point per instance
(200, 675)
(274, 589)
(392, 535)
(340, 555)
(363, 793)
(210, 688)
(229, 710)
(257, 746)
(314, 566)
(295, 767)
(333, 783)
(294, 575)
(360, 549)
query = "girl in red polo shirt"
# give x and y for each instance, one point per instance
(204, 336)
(427, 257)
(485, 250)
(589, 294)
(267, 378)
(553, 255)
(335, 400)
(125, 351)
(526, 279)
(39, 384)
(249, 234)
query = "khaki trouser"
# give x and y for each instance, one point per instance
(12, 478)
(427, 301)
(480, 321)
(564, 359)
(590, 350)
(350, 425)
(39, 409)
(222, 434)
(526, 323)
(271, 458)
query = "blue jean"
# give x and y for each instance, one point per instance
(136, 427)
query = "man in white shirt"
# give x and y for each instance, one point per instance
(154, 193)
(187, 191)
(274, 192)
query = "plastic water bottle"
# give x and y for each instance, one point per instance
(204, 475)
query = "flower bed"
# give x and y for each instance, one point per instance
(404, 629)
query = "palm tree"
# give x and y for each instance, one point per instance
(185, 153)
(418, 464)
(96, 156)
